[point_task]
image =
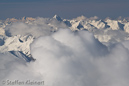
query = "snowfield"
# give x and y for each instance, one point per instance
(64, 52)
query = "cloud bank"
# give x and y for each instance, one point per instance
(68, 58)
(39, 27)
(79, 59)
(20, 28)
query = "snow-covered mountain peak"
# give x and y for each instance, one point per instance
(24, 18)
(57, 17)
(17, 43)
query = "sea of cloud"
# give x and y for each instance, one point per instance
(20, 28)
(67, 58)
(40, 27)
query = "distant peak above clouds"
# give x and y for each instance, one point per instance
(57, 17)
(93, 24)
(22, 19)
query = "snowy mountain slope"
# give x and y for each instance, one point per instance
(17, 43)
(18, 34)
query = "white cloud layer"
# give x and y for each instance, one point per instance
(20, 28)
(70, 59)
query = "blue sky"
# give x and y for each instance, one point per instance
(64, 8)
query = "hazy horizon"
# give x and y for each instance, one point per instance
(65, 8)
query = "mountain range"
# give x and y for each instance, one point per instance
(16, 35)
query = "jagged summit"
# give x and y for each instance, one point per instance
(11, 20)
(24, 18)
(57, 17)
(28, 18)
